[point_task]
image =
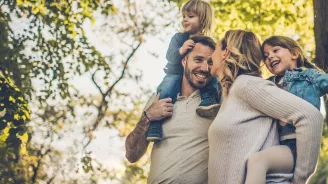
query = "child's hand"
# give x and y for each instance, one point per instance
(189, 44)
(282, 123)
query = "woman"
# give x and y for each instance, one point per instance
(245, 123)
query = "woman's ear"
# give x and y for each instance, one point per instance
(226, 53)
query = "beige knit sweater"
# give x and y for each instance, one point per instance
(245, 125)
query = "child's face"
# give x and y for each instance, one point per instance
(190, 22)
(278, 59)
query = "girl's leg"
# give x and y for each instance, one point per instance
(169, 88)
(277, 159)
(211, 97)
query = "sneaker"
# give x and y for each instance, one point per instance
(155, 132)
(208, 109)
(154, 139)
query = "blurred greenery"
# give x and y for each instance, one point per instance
(44, 46)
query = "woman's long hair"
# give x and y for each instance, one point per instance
(244, 56)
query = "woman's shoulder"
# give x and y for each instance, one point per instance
(249, 79)
(244, 83)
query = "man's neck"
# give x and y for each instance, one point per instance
(186, 89)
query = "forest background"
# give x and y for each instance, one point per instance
(75, 75)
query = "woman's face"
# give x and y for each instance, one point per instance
(218, 58)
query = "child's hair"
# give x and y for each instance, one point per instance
(204, 11)
(292, 46)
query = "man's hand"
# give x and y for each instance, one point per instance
(136, 143)
(189, 44)
(160, 109)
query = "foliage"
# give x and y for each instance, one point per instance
(321, 174)
(14, 114)
(57, 45)
(46, 52)
(45, 46)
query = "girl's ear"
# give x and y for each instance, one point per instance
(295, 54)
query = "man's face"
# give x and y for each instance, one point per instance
(197, 66)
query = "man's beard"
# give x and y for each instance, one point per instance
(188, 74)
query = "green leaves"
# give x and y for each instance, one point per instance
(14, 112)
(57, 40)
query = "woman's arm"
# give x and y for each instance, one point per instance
(265, 97)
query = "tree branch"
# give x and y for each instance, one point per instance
(95, 83)
(108, 92)
(123, 71)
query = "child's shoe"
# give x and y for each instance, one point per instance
(155, 132)
(209, 107)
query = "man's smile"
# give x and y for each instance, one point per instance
(202, 76)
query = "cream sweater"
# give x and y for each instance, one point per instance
(245, 125)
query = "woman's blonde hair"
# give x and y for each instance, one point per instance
(244, 56)
(204, 11)
(292, 46)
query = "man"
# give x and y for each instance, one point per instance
(182, 155)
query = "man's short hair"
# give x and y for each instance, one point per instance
(204, 40)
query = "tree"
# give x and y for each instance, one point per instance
(53, 50)
(321, 33)
(321, 59)
(44, 57)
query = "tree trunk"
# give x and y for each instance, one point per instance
(321, 33)
(321, 39)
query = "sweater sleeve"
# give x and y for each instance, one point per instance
(173, 55)
(272, 101)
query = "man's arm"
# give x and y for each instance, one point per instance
(136, 143)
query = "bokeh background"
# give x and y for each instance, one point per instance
(75, 75)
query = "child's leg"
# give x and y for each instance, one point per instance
(211, 96)
(169, 88)
(277, 159)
